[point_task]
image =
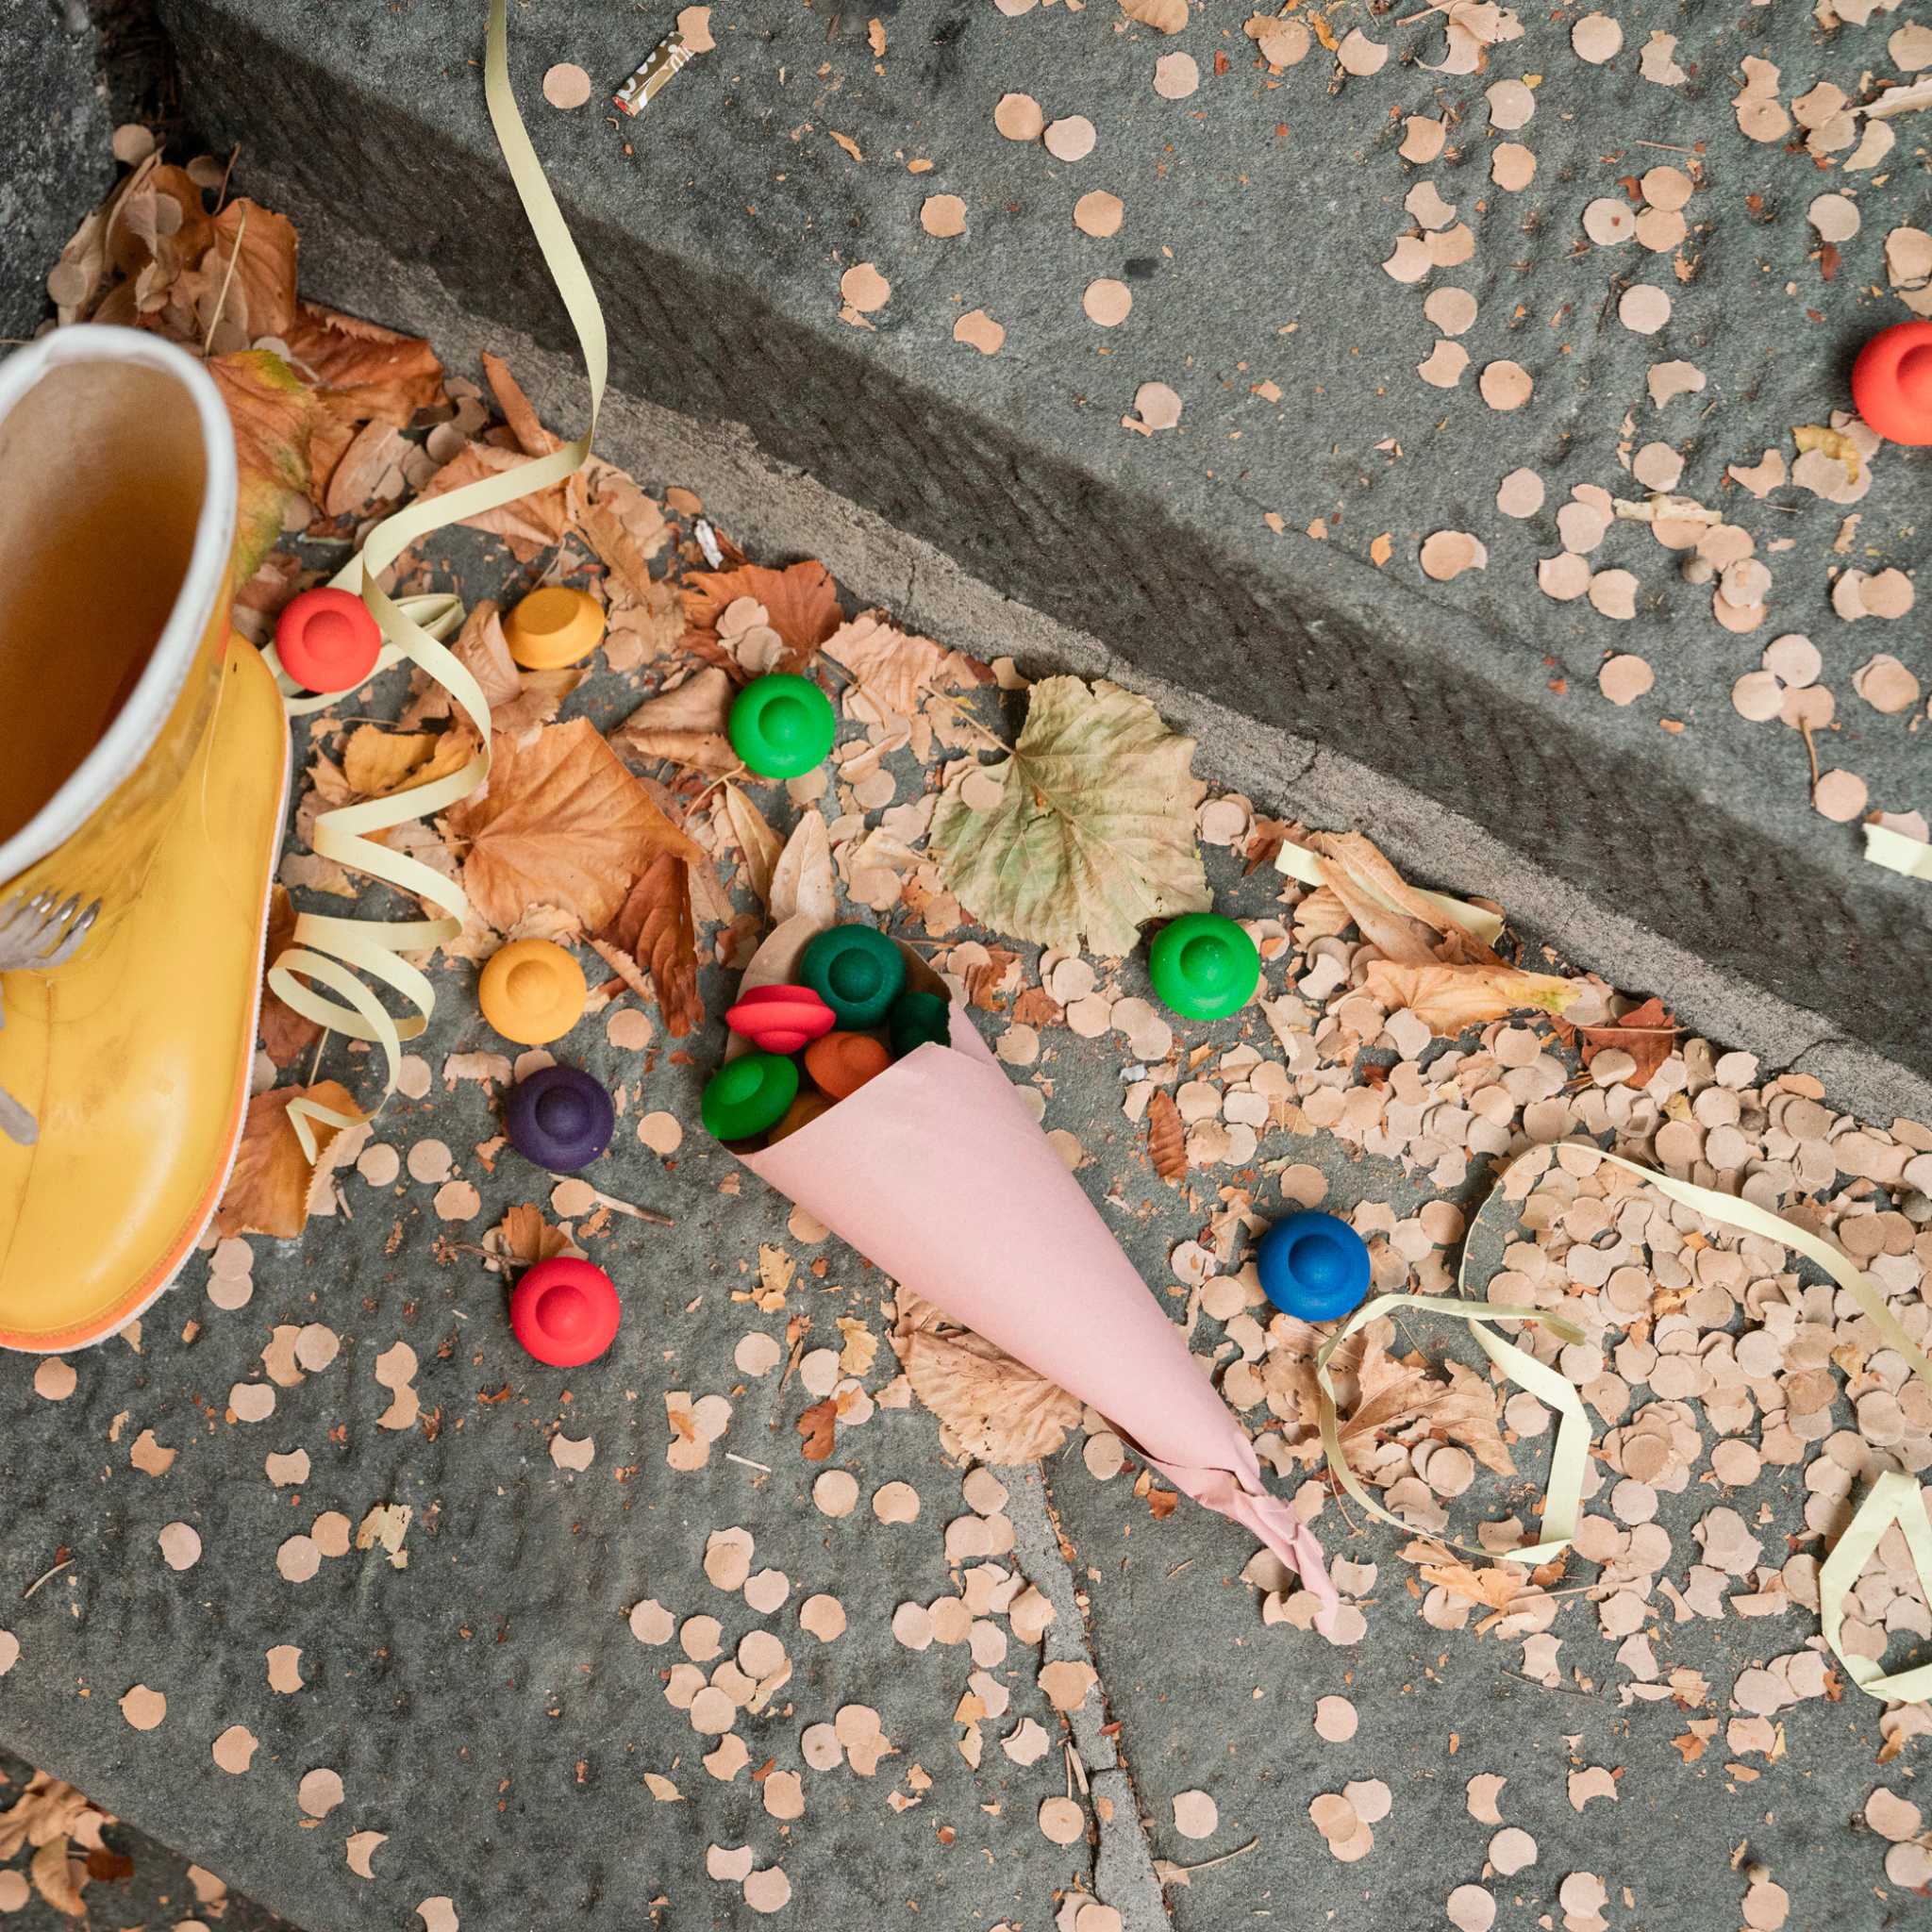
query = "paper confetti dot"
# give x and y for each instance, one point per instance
(1062, 1822)
(1451, 310)
(1071, 140)
(143, 1708)
(55, 1379)
(566, 84)
(1098, 213)
(234, 1749)
(363, 1846)
(1512, 105)
(1448, 553)
(284, 1669)
(979, 330)
(1505, 385)
(864, 289)
(1107, 302)
(1840, 795)
(836, 1493)
(768, 1891)
(823, 1617)
(180, 1545)
(1512, 1850)
(1443, 370)
(320, 1793)
(1471, 1909)
(1596, 38)
(298, 1559)
(942, 215)
(1018, 117)
(1156, 406)
(1613, 594)
(1643, 310)
(1335, 1720)
(1175, 76)
(662, 1133)
(1520, 493)
(10, 1651)
(1195, 1814)
(438, 1915)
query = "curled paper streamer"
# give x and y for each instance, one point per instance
(935, 1170)
(1311, 868)
(1896, 853)
(1562, 1493)
(330, 952)
(1895, 1498)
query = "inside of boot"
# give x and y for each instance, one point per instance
(105, 477)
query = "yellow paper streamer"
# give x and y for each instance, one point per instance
(1311, 867)
(1895, 1498)
(331, 952)
(1896, 853)
(1563, 1491)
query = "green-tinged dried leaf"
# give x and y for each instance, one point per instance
(1448, 999)
(1093, 831)
(274, 415)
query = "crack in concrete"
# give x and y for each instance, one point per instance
(1124, 1875)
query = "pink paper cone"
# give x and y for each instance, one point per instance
(937, 1175)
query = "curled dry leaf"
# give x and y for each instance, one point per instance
(1093, 830)
(274, 417)
(818, 1427)
(1647, 1033)
(994, 1408)
(687, 725)
(363, 372)
(893, 672)
(803, 881)
(1167, 1138)
(268, 1186)
(1448, 999)
(652, 943)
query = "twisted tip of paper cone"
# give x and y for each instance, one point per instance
(1242, 1500)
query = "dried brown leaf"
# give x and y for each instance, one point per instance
(801, 601)
(994, 1408)
(1448, 999)
(818, 1427)
(686, 725)
(532, 438)
(1167, 1138)
(268, 1188)
(655, 933)
(363, 370)
(561, 823)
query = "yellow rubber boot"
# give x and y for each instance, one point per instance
(143, 764)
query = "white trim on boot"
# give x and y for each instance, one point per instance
(128, 740)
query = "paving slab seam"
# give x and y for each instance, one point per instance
(1124, 1875)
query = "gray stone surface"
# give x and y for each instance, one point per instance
(160, 1891)
(55, 163)
(488, 1710)
(719, 228)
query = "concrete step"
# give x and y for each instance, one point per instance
(718, 228)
